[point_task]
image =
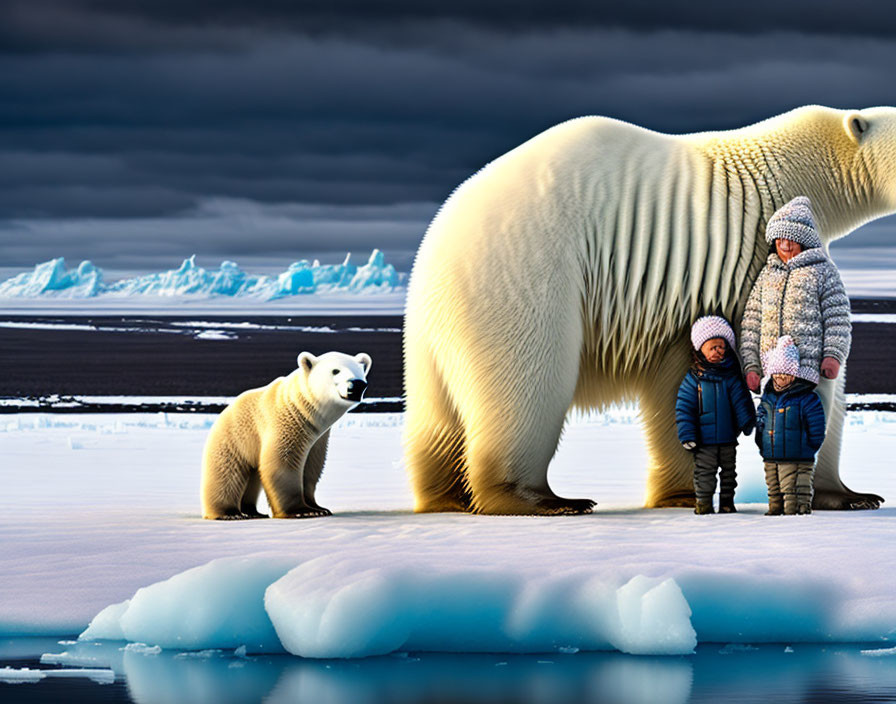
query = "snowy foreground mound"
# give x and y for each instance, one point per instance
(52, 279)
(103, 510)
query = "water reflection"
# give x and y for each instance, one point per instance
(733, 674)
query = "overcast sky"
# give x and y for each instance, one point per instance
(137, 133)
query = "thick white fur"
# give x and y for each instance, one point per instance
(568, 272)
(276, 437)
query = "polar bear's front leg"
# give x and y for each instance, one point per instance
(249, 502)
(281, 477)
(830, 491)
(314, 467)
(508, 465)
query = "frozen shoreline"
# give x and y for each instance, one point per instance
(101, 506)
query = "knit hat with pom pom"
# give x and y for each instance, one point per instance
(709, 327)
(794, 221)
(784, 358)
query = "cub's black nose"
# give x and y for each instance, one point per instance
(356, 389)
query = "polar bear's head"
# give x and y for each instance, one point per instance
(334, 378)
(873, 131)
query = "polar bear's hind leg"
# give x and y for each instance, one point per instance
(434, 443)
(225, 479)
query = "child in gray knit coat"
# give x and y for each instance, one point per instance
(798, 293)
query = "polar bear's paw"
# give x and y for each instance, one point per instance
(845, 501)
(683, 499)
(512, 501)
(236, 516)
(307, 513)
(558, 506)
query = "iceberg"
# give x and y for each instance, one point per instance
(354, 607)
(217, 605)
(52, 280)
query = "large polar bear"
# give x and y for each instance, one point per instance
(567, 273)
(276, 438)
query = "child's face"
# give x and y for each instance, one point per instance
(782, 381)
(787, 249)
(714, 349)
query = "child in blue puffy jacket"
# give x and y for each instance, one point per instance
(790, 428)
(713, 407)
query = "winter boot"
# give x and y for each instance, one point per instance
(726, 504)
(790, 505)
(804, 509)
(701, 508)
(775, 508)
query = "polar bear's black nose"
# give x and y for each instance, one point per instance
(356, 389)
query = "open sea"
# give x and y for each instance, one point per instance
(757, 674)
(190, 356)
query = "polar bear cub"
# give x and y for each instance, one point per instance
(276, 438)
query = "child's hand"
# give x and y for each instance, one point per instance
(690, 445)
(830, 368)
(753, 382)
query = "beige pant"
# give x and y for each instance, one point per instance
(789, 485)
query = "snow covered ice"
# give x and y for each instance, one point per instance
(115, 523)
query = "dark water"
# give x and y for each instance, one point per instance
(223, 355)
(766, 673)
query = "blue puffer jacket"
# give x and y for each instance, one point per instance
(714, 405)
(790, 424)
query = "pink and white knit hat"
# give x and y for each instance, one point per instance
(709, 327)
(794, 221)
(784, 358)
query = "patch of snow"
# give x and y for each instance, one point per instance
(77, 659)
(13, 675)
(879, 653)
(142, 648)
(872, 398)
(873, 318)
(215, 335)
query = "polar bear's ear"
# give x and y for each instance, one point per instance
(856, 126)
(364, 360)
(306, 360)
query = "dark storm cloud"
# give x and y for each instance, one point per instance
(142, 114)
(86, 24)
